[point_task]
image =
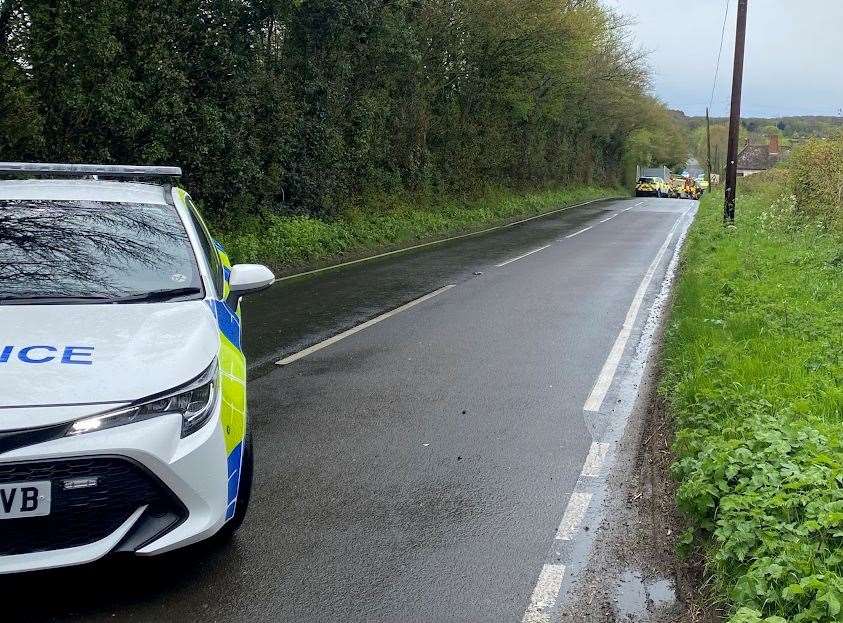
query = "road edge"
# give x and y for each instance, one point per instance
(436, 241)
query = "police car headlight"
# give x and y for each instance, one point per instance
(194, 401)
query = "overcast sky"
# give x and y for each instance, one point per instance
(794, 61)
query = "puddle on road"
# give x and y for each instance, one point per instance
(637, 600)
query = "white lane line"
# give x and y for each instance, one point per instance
(577, 233)
(545, 594)
(361, 327)
(574, 515)
(607, 374)
(443, 240)
(521, 257)
(605, 220)
(595, 459)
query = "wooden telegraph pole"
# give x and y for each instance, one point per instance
(735, 117)
(708, 148)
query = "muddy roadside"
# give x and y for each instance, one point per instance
(635, 573)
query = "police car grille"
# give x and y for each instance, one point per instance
(84, 515)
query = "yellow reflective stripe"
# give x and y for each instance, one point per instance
(233, 393)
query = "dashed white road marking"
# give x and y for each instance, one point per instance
(577, 233)
(607, 374)
(595, 459)
(543, 603)
(360, 327)
(443, 240)
(574, 515)
(521, 257)
(545, 594)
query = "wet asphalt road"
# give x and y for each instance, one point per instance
(416, 471)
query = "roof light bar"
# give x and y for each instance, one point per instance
(80, 170)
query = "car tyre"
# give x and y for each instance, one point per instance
(244, 492)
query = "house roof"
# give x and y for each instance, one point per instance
(756, 158)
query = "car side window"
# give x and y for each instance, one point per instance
(208, 246)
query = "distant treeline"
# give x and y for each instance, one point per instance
(808, 126)
(309, 106)
(792, 132)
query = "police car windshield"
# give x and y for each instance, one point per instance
(94, 252)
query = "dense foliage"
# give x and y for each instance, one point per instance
(754, 376)
(816, 177)
(312, 106)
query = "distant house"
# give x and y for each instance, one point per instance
(757, 158)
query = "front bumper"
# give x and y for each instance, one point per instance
(154, 492)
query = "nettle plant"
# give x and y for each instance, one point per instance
(769, 489)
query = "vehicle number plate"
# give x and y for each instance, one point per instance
(25, 499)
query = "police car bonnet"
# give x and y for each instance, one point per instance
(82, 354)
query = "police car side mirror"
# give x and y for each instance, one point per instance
(248, 279)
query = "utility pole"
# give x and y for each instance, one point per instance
(708, 147)
(735, 117)
(717, 166)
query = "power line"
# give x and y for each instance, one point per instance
(719, 54)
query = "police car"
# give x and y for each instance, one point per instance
(123, 421)
(651, 187)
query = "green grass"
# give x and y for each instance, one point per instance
(754, 376)
(284, 242)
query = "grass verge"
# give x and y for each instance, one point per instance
(286, 242)
(754, 377)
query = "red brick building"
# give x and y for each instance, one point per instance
(754, 159)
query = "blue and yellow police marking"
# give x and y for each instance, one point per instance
(232, 386)
(232, 364)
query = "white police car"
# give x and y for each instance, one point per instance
(122, 381)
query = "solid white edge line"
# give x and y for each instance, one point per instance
(574, 515)
(434, 242)
(341, 336)
(521, 257)
(577, 233)
(545, 594)
(607, 374)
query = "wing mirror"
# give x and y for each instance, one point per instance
(248, 279)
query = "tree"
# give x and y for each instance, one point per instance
(311, 106)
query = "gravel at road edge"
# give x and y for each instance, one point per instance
(634, 573)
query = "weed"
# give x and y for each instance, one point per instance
(754, 374)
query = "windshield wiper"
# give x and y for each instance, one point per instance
(157, 295)
(51, 300)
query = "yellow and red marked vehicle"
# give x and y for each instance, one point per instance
(677, 185)
(691, 189)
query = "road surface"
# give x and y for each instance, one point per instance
(418, 469)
